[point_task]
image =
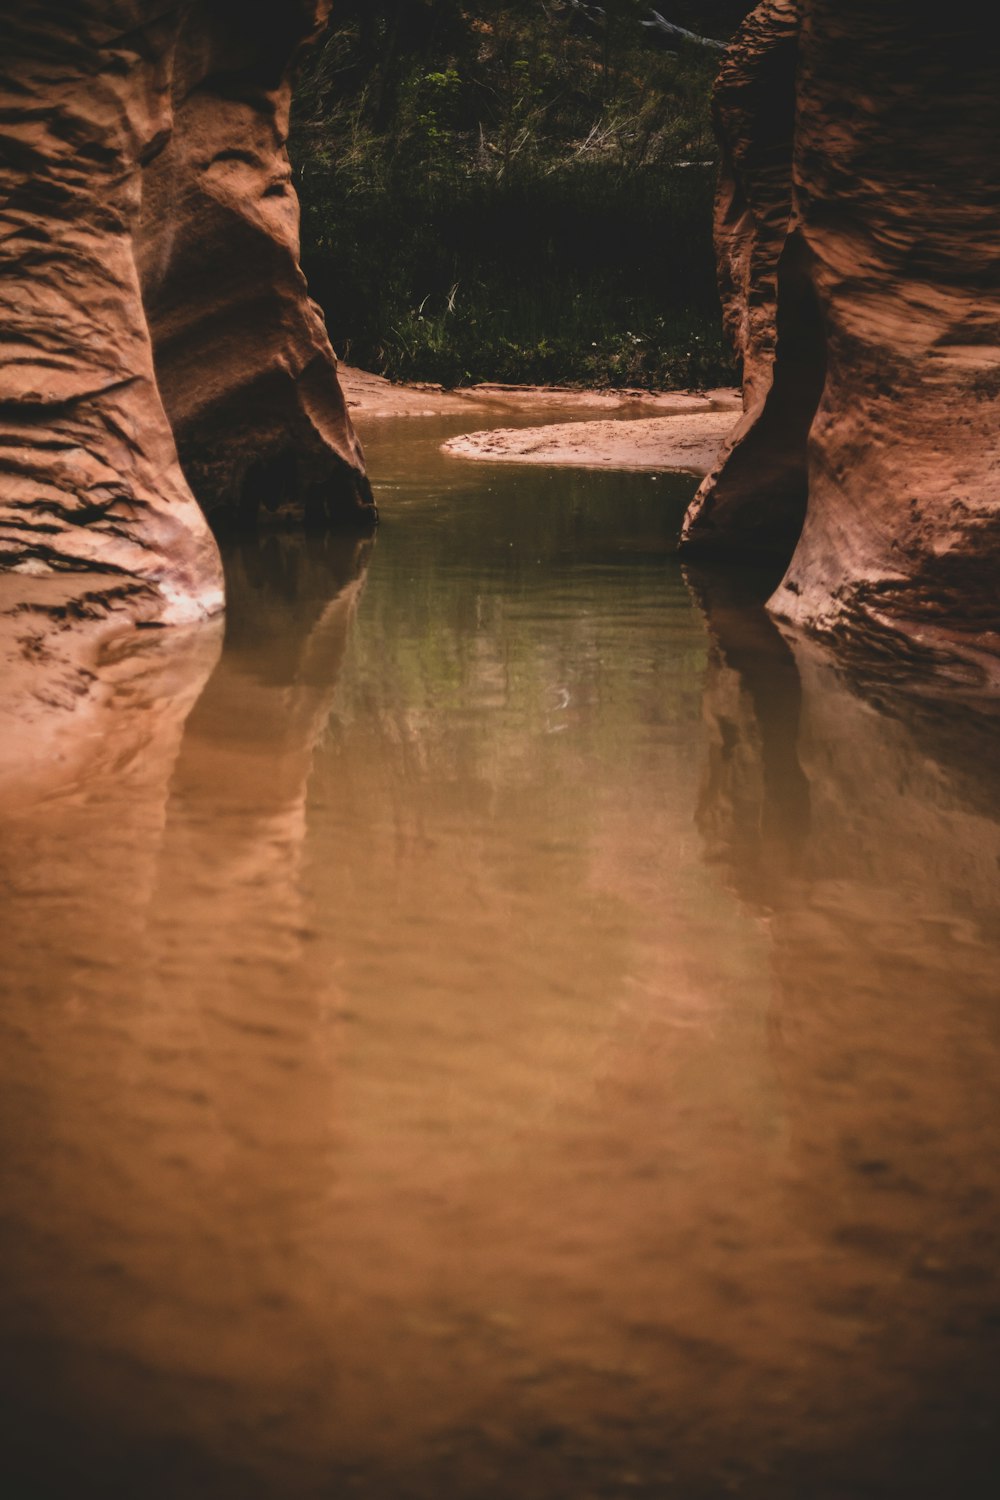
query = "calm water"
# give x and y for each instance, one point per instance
(503, 1026)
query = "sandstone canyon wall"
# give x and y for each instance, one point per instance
(857, 230)
(160, 358)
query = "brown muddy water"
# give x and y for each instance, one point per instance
(506, 1025)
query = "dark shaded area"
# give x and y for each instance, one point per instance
(758, 503)
(590, 276)
(513, 192)
(749, 643)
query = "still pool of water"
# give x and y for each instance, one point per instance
(506, 1023)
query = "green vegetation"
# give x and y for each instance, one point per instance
(515, 192)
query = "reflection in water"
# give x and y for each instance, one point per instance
(863, 828)
(532, 1035)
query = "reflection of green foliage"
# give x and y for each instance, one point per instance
(590, 554)
(490, 193)
(505, 722)
(501, 842)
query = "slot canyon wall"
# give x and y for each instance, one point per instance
(161, 363)
(857, 227)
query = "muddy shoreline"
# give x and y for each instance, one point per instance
(617, 429)
(687, 441)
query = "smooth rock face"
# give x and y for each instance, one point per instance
(857, 229)
(156, 336)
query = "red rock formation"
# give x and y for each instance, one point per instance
(857, 231)
(152, 300)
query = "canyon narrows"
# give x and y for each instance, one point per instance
(510, 1008)
(161, 361)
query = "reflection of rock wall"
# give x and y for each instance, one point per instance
(856, 233)
(862, 828)
(159, 995)
(152, 298)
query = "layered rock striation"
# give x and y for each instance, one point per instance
(161, 364)
(857, 226)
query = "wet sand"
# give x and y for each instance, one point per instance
(369, 395)
(688, 441)
(594, 429)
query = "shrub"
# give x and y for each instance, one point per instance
(494, 193)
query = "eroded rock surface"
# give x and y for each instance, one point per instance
(856, 232)
(157, 342)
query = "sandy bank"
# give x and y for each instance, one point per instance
(370, 396)
(639, 430)
(688, 440)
